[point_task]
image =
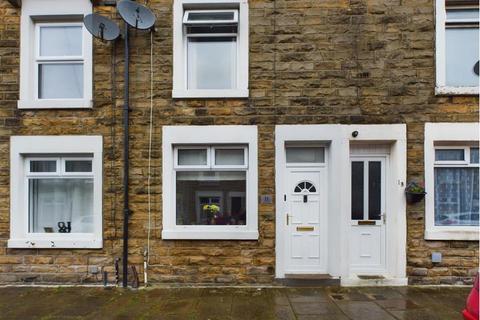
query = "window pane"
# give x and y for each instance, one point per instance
(357, 190)
(229, 157)
(456, 196)
(202, 198)
(305, 155)
(212, 62)
(449, 155)
(57, 205)
(78, 165)
(470, 14)
(219, 28)
(61, 41)
(474, 155)
(374, 190)
(43, 166)
(208, 15)
(462, 47)
(192, 157)
(60, 81)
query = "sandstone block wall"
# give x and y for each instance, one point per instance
(311, 62)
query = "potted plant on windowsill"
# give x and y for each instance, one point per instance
(211, 211)
(414, 192)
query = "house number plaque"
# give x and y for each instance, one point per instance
(265, 199)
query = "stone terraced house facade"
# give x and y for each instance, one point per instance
(269, 140)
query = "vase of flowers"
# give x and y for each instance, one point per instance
(211, 211)
(414, 192)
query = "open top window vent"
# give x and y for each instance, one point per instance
(210, 17)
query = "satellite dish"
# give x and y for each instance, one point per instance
(136, 15)
(101, 27)
(475, 68)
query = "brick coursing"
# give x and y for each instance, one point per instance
(311, 62)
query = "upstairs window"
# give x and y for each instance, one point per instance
(457, 47)
(59, 61)
(56, 55)
(210, 50)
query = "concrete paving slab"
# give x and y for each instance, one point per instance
(384, 303)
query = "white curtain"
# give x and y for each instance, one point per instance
(456, 196)
(61, 200)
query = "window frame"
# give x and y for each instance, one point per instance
(45, 60)
(36, 14)
(178, 137)
(24, 149)
(307, 145)
(440, 53)
(187, 14)
(446, 136)
(180, 43)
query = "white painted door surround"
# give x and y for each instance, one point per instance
(338, 141)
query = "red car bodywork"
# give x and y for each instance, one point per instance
(471, 309)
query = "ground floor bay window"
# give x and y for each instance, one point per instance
(210, 182)
(56, 193)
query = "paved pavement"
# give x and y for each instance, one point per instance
(233, 303)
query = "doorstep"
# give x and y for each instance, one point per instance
(308, 280)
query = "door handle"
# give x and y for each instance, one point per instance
(383, 215)
(288, 216)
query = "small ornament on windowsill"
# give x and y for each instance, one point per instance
(64, 227)
(414, 192)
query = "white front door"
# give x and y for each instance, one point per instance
(305, 221)
(367, 228)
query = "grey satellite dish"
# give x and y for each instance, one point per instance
(475, 68)
(136, 15)
(101, 27)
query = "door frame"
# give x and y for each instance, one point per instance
(338, 138)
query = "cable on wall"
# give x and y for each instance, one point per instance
(113, 200)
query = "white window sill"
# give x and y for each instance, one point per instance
(62, 243)
(55, 104)
(208, 235)
(236, 93)
(452, 91)
(465, 234)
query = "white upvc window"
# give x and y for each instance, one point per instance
(210, 182)
(457, 47)
(56, 192)
(56, 55)
(451, 181)
(210, 49)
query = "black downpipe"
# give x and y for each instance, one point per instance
(126, 209)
